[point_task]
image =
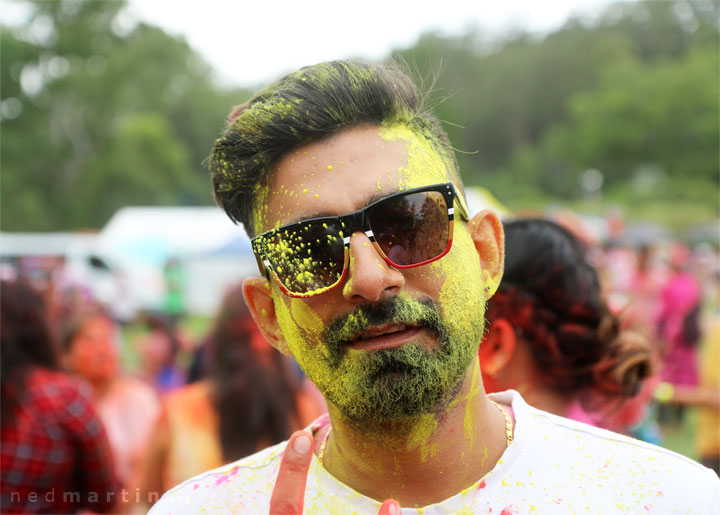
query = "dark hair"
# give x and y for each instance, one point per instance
(26, 339)
(157, 321)
(551, 295)
(74, 319)
(306, 106)
(248, 391)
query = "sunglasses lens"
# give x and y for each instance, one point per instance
(307, 257)
(413, 228)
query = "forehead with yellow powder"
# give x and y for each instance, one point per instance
(340, 174)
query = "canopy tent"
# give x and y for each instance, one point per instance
(155, 234)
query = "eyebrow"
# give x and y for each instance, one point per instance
(326, 214)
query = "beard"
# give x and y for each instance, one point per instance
(405, 381)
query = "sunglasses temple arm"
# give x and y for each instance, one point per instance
(261, 268)
(462, 208)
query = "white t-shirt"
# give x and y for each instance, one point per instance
(554, 465)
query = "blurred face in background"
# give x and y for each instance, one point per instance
(155, 350)
(93, 352)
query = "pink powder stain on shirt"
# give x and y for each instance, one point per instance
(482, 484)
(508, 510)
(226, 477)
(196, 486)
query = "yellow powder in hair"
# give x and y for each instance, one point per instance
(260, 214)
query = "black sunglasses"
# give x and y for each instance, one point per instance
(409, 228)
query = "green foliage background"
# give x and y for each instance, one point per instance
(110, 117)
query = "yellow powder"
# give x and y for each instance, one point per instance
(305, 317)
(420, 435)
(425, 166)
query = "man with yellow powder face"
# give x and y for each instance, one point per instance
(374, 277)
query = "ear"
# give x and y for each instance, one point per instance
(497, 348)
(487, 234)
(258, 297)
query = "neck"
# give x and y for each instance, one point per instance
(101, 387)
(548, 400)
(422, 460)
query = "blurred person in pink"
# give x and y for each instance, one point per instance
(128, 406)
(55, 456)
(252, 399)
(551, 336)
(678, 321)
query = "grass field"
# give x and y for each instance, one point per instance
(681, 439)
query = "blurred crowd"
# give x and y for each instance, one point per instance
(103, 416)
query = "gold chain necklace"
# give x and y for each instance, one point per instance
(508, 422)
(508, 431)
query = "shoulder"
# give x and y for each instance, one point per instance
(57, 389)
(61, 399)
(611, 464)
(199, 391)
(193, 400)
(244, 486)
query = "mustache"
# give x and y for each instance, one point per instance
(395, 310)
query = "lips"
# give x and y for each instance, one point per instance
(381, 331)
(385, 337)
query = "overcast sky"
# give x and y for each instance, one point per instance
(251, 43)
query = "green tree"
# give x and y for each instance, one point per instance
(633, 93)
(108, 116)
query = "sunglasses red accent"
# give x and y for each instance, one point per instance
(408, 229)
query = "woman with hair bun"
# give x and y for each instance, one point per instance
(551, 336)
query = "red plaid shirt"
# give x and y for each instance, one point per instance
(55, 456)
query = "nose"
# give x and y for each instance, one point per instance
(370, 278)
